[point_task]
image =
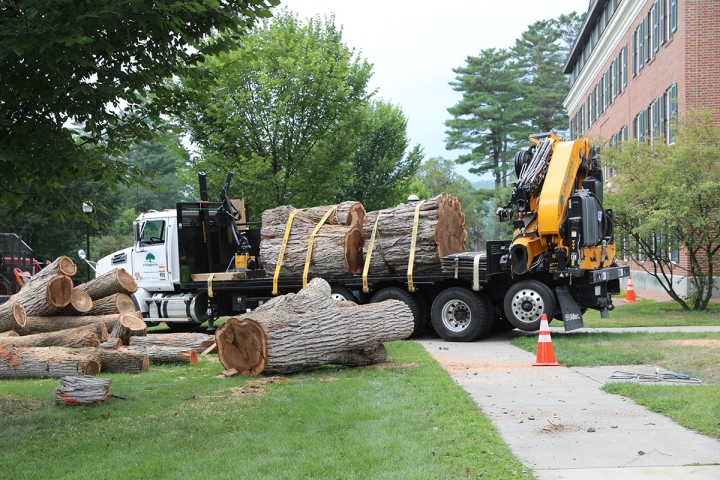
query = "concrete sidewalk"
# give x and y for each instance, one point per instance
(557, 421)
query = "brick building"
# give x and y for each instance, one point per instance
(635, 65)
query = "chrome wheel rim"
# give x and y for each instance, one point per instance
(456, 315)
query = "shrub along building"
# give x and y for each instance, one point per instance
(636, 65)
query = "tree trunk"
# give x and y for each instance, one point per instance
(12, 316)
(53, 324)
(337, 245)
(116, 303)
(109, 283)
(310, 329)
(45, 296)
(197, 341)
(47, 362)
(162, 355)
(127, 326)
(79, 305)
(441, 231)
(9, 333)
(82, 390)
(61, 266)
(121, 361)
(87, 336)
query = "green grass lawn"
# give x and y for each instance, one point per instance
(695, 354)
(650, 313)
(404, 419)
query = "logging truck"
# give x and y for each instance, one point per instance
(204, 260)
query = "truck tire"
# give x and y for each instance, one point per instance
(424, 311)
(460, 315)
(526, 301)
(342, 294)
(395, 293)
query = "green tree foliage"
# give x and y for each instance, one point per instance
(668, 196)
(437, 175)
(103, 65)
(271, 103)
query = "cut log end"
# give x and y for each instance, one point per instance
(66, 266)
(126, 281)
(59, 291)
(242, 345)
(354, 241)
(18, 312)
(92, 367)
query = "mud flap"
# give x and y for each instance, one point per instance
(572, 317)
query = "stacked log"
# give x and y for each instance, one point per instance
(196, 341)
(35, 325)
(310, 329)
(116, 303)
(127, 326)
(45, 296)
(110, 283)
(80, 303)
(12, 316)
(440, 232)
(47, 362)
(337, 248)
(86, 336)
(159, 355)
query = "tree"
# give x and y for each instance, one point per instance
(269, 105)
(666, 197)
(103, 65)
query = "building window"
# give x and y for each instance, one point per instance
(624, 132)
(656, 26)
(634, 55)
(663, 116)
(624, 65)
(648, 38)
(641, 45)
(674, 250)
(635, 127)
(672, 111)
(641, 126)
(673, 17)
(656, 119)
(663, 22)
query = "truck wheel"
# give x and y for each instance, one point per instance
(525, 303)
(459, 315)
(395, 293)
(342, 294)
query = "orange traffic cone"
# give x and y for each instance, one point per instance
(545, 354)
(630, 294)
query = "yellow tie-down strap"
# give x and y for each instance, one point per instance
(311, 242)
(210, 290)
(371, 243)
(413, 241)
(288, 226)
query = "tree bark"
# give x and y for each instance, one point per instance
(45, 296)
(162, 355)
(111, 344)
(441, 231)
(82, 390)
(337, 245)
(109, 283)
(121, 361)
(197, 341)
(309, 329)
(116, 303)
(127, 326)
(9, 333)
(61, 266)
(79, 305)
(86, 336)
(53, 324)
(47, 362)
(12, 316)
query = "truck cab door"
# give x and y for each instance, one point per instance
(151, 252)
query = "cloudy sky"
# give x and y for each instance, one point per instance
(415, 45)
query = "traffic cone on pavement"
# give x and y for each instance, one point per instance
(630, 294)
(545, 354)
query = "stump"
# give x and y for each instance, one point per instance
(127, 326)
(163, 355)
(197, 341)
(309, 329)
(337, 245)
(441, 231)
(116, 303)
(35, 325)
(85, 336)
(12, 316)
(82, 390)
(45, 296)
(47, 362)
(79, 304)
(109, 283)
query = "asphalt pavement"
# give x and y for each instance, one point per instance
(558, 422)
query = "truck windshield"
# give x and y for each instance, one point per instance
(153, 232)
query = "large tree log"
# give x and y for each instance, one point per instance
(45, 296)
(128, 325)
(35, 325)
(109, 283)
(79, 305)
(121, 361)
(337, 245)
(197, 341)
(47, 362)
(61, 266)
(309, 329)
(86, 336)
(12, 316)
(441, 231)
(116, 303)
(162, 355)
(82, 390)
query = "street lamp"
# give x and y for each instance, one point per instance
(87, 210)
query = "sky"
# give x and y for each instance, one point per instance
(415, 45)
